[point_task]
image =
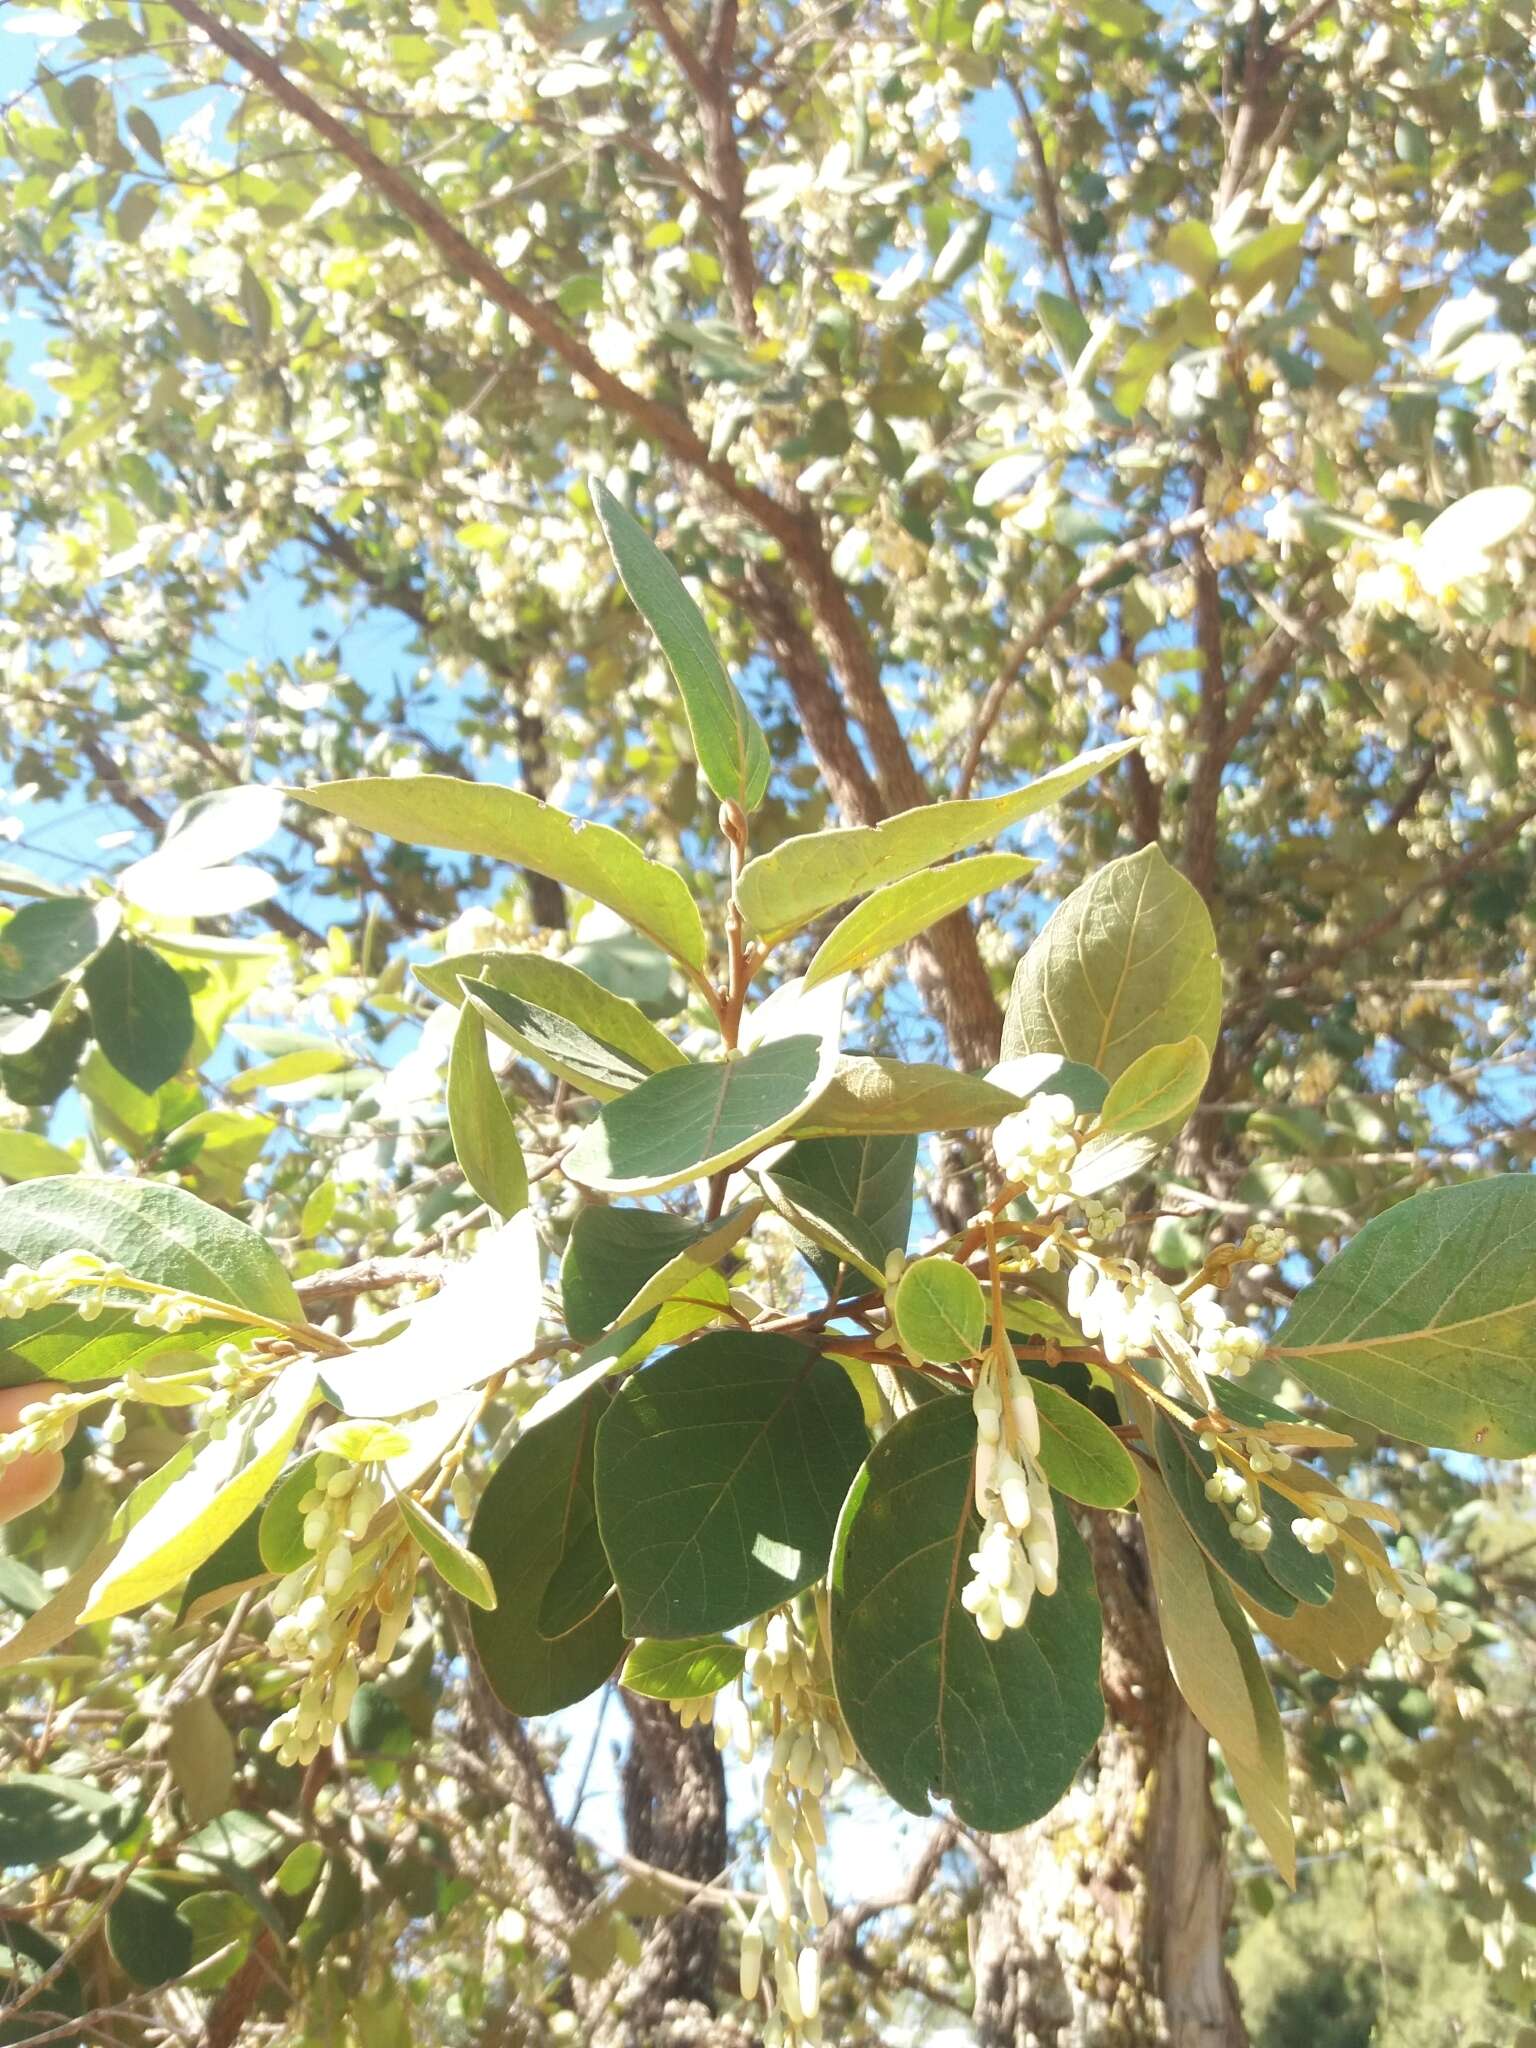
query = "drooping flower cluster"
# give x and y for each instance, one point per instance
(1130, 1313)
(323, 1605)
(1018, 1554)
(809, 1755)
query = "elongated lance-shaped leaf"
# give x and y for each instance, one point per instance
(555, 1042)
(783, 889)
(727, 739)
(206, 1500)
(480, 1123)
(1425, 1324)
(901, 910)
(508, 825)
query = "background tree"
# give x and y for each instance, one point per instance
(1009, 379)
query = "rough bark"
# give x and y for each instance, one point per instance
(674, 1817)
(1102, 1926)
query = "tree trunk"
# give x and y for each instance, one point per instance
(674, 1817)
(1103, 1925)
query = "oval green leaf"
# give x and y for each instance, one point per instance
(44, 941)
(940, 1311)
(901, 910)
(480, 1123)
(785, 888)
(689, 1670)
(1425, 1324)
(534, 1519)
(1128, 962)
(141, 1012)
(1080, 1455)
(997, 1729)
(720, 1472)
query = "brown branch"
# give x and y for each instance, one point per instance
(1045, 193)
(1018, 656)
(465, 260)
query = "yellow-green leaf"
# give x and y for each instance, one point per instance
(207, 1502)
(508, 825)
(783, 889)
(901, 910)
(1157, 1089)
(726, 737)
(1128, 962)
(480, 1123)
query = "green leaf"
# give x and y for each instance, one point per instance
(901, 910)
(483, 1319)
(1191, 247)
(560, 990)
(1065, 327)
(565, 1048)
(1216, 1668)
(899, 1098)
(1207, 1522)
(1274, 253)
(206, 1503)
(147, 1936)
(689, 1670)
(536, 1517)
(141, 1012)
(1303, 1574)
(720, 1471)
(997, 1729)
(457, 1567)
(940, 1311)
(25, 1156)
(1157, 1089)
(1425, 1324)
(42, 942)
(1080, 1455)
(682, 1125)
(280, 1525)
(1126, 963)
(507, 825)
(201, 1754)
(46, 1819)
(797, 880)
(857, 1190)
(614, 1257)
(158, 1233)
(727, 739)
(482, 1127)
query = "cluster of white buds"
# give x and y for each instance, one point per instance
(1231, 1489)
(1018, 1554)
(321, 1606)
(1265, 1242)
(1101, 1219)
(1404, 1598)
(45, 1426)
(168, 1312)
(24, 1289)
(1121, 1308)
(230, 1379)
(809, 1755)
(1221, 1345)
(1320, 1532)
(1037, 1146)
